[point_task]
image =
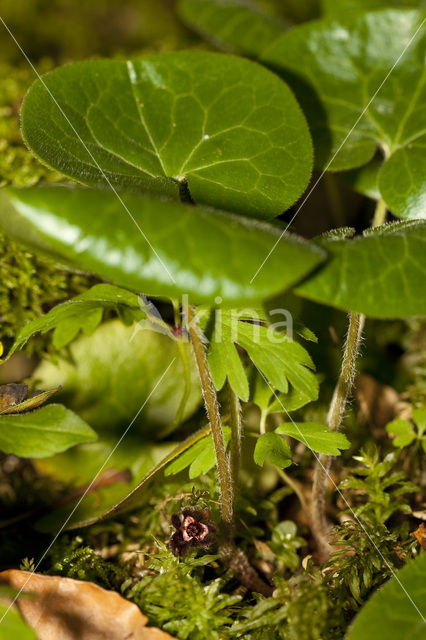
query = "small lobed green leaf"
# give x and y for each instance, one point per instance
(222, 127)
(316, 436)
(164, 248)
(403, 432)
(396, 610)
(273, 447)
(281, 360)
(83, 312)
(43, 432)
(380, 274)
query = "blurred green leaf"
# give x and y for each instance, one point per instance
(234, 24)
(228, 129)
(122, 374)
(316, 436)
(341, 8)
(180, 249)
(13, 626)
(403, 432)
(396, 610)
(381, 274)
(41, 433)
(274, 448)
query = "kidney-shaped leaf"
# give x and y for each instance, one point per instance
(396, 610)
(41, 433)
(228, 129)
(336, 67)
(232, 24)
(180, 248)
(381, 274)
(339, 72)
(341, 8)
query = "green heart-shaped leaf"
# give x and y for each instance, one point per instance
(381, 274)
(41, 433)
(357, 90)
(396, 610)
(361, 83)
(227, 129)
(178, 249)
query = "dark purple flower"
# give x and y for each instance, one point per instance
(194, 528)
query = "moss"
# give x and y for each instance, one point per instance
(29, 285)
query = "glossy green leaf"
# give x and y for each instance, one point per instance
(316, 436)
(227, 129)
(234, 24)
(341, 8)
(190, 248)
(396, 610)
(84, 312)
(281, 360)
(41, 433)
(273, 447)
(200, 458)
(336, 68)
(403, 432)
(381, 274)
(123, 374)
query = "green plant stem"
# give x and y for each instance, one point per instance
(213, 414)
(236, 434)
(295, 486)
(320, 526)
(379, 213)
(334, 198)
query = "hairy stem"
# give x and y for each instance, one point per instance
(213, 414)
(236, 432)
(336, 412)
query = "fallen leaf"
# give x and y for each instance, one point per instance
(69, 609)
(420, 535)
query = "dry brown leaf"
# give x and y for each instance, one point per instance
(378, 402)
(66, 609)
(420, 535)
